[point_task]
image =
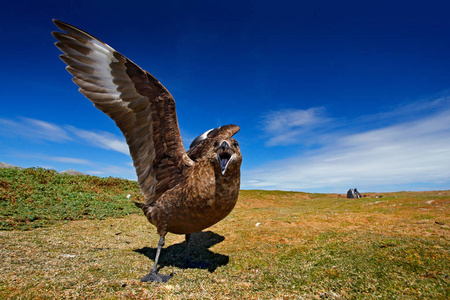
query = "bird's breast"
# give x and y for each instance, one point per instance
(205, 203)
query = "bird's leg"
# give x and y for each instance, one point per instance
(186, 257)
(154, 275)
(187, 262)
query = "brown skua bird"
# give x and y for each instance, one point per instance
(185, 192)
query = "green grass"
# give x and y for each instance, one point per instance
(274, 245)
(36, 197)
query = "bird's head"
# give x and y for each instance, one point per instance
(218, 148)
(226, 156)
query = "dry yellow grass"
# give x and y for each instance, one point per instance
(274, 245)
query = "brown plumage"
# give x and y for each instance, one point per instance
(185, 192)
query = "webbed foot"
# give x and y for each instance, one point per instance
(156, 277)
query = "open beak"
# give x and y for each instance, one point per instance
(224, 156)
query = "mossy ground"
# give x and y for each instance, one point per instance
(274, 245)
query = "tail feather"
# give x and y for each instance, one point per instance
(139, 204)
(146, 208)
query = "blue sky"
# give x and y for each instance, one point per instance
(329, 95)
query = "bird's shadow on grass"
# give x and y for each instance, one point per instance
(198, 250)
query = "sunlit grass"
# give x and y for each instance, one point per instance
(274, 245)
(35, 197)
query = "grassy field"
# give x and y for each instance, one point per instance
(36, 197)
(79, 237)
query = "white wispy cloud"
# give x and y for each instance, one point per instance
(101, 139)
(411, 152)
(122, 171)
(36, 130)
(33, 129)
(409, 111)
(286, 126)
(70, 160)
(42, 157)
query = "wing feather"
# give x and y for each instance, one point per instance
(137, 102)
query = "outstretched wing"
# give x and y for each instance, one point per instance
(137, 102)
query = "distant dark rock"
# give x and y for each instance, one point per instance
(350, 194)
(8, 166)
(71, 172)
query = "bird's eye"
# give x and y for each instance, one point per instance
(236, 144)
(216, 144)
